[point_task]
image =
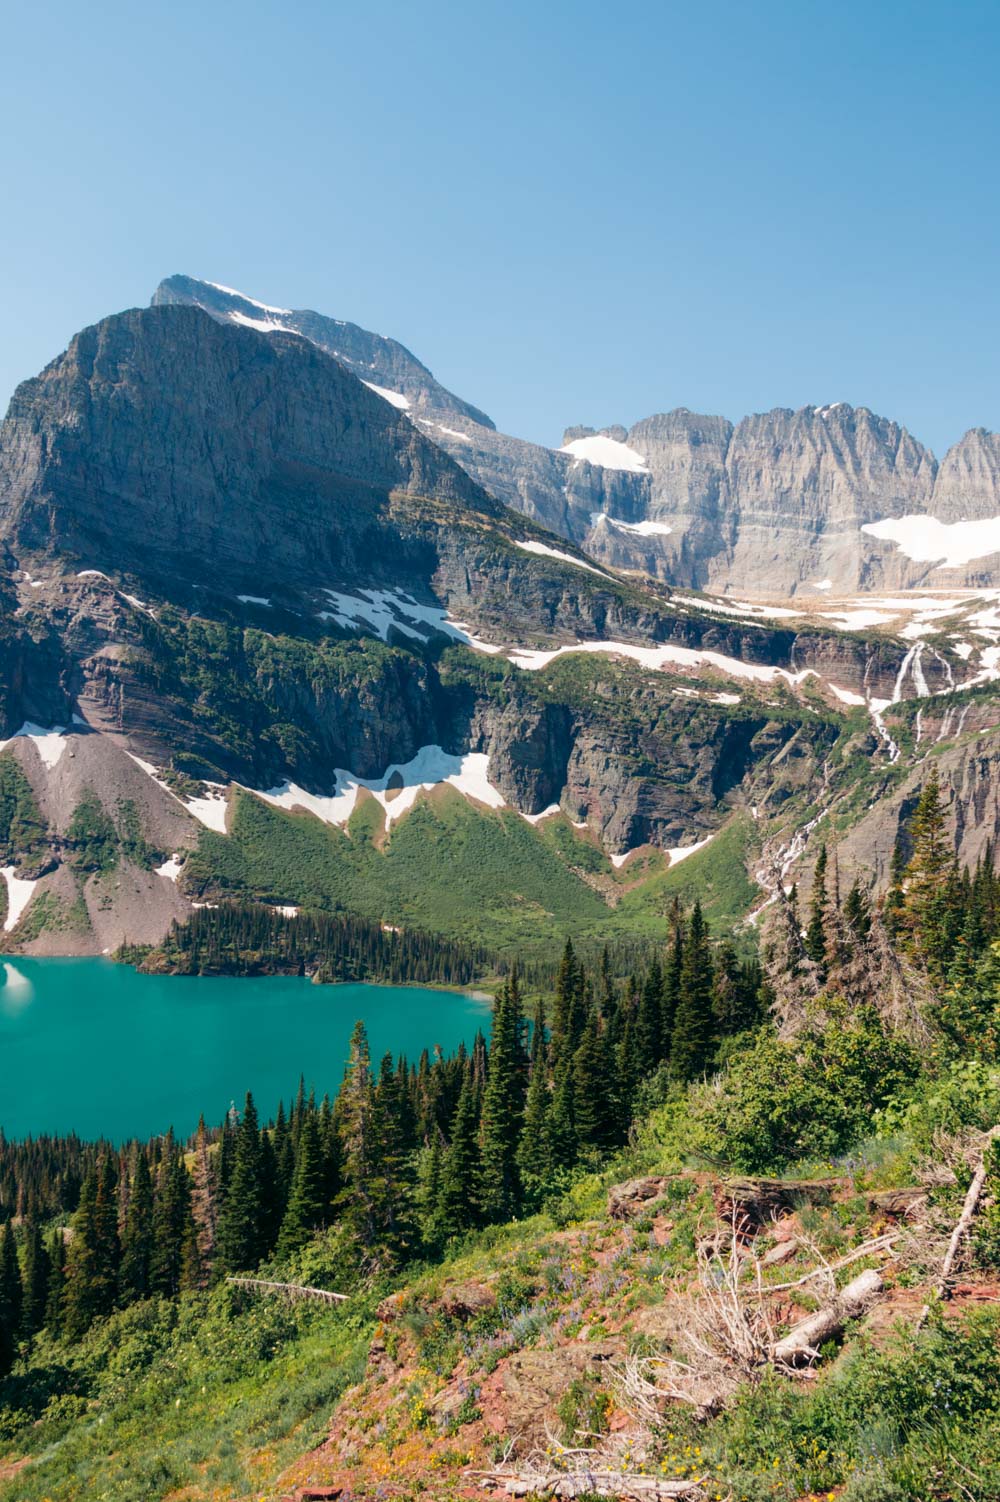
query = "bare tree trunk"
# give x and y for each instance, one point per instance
(802, 1341)
(964, 1221)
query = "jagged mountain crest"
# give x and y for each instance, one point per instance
(772, 505)
(373, 358)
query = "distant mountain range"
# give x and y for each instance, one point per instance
(783, 503)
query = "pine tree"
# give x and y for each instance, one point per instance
(857, 913)
(204, 1203)
(239, 1245)
(815, 939)
(429, 1198)
(54, 1303)
(691, 1047)
(35, 1281)
(173, 1228)
(534, 1147)
(503, 1106)
(593, 1110)
(895, 897)
(562, 1123)
(927, 900)
(568, 1012)
(672, 977)
(11, 1298)
(362, 1199)
(461, 1172)
(735, 1006)
(307, 1206)
(137, 1236)
(649, 1021)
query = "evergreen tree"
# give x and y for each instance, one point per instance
(239, 1245)
(672, 977)
(92, 1261)
(363, 1198)
(173, 1227)
(857, 912)
(568, 1011)
(503, 1106)
(11, 1298)
(649, 1022)
(307, 1205)
(593, 1109)
(54, 1303)
(534, 1148)
(562, 1123)
(137, 1236)
(35, 1281)
(735, 987)
(204, 1203)
(928, 896)
(815, 939)
(691, 1047)
(461, 1171)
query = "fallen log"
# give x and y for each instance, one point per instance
(958, 1235)
(803, 1340)
(633, 1485)
(293, 1290)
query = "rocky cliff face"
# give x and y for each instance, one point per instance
(371, 357)
(772, 506)
(224, 559)
(967, 487)
(171, 445)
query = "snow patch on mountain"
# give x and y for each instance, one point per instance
(395, 397)
(609, 453)
(396, 790)
(543, 548)
(51, 743)
(924, 539)
(232, 292)
(19, 894)
(262, 325)
(640, 529)
(681, 852)
(382, 610)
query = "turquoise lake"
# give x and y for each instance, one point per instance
(90, 1047)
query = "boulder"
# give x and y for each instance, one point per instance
(629, 1199)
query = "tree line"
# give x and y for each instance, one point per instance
(237, 938)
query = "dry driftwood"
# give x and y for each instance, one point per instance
(802, 1341)
(633, 1485)
(293, 1290)
(964, 1221)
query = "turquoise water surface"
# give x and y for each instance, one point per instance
(90, 1047)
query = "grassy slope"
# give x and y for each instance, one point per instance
(465, 872)
(228, 1399)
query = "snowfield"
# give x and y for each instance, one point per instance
(396, 790)
(395, 397)
(543, 549)
(924, 539)
(639, 529)
(606, 452)
(19, 894)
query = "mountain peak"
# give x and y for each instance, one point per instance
(383, 363)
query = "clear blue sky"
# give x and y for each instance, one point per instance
(572, 212)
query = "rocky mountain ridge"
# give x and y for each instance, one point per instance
(771, 506)
(229, 565)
